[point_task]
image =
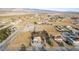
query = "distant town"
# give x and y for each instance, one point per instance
(38, 30)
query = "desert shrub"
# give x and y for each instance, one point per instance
(4, 33)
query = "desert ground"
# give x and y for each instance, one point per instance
(26, 23)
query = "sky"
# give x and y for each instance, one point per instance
(55, 5)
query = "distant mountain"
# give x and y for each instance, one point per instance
(25, 10)
(4, 10)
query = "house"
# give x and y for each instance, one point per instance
(37, 44)
(70, 38)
